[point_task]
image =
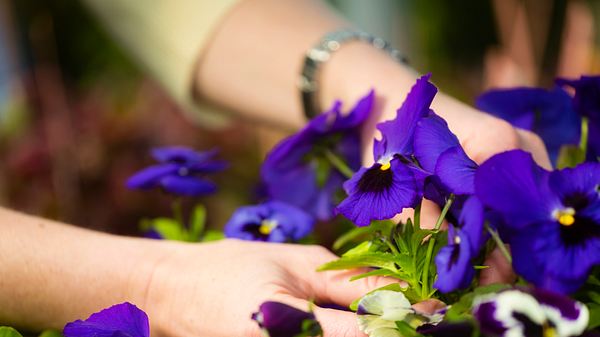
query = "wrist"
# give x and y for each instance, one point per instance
(148, 288)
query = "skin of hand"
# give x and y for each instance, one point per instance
(211, 289)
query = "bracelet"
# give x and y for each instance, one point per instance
(321, 52)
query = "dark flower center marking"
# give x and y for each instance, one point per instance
(575, 229)
(531, 329)
(376, 179)
(259, 230)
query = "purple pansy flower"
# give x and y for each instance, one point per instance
(120, 320)
(282, 320)
(393, 182)
(587, 104)
(453, 262)
(272, 221)
(516, 313)
(179, 171)
(548, 113)
(554, 217)
(439, 152)
(296, 171)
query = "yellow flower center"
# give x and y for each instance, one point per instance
(386, 166)
(549, 332)
(267, 226)
(565, 217)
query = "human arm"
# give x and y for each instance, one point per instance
(52, 273)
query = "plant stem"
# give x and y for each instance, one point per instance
(430, 244)
(390, 245)
(178, 210)
(417, 216)
(338, 163)
(499, 242)
(583, 141)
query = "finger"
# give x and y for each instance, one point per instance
(335, 323)
(533, 144)
(336, 287)
(429, 306)
(333, 286)
(430, 212)
(499, 269)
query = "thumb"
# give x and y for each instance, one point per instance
(499, 271)
(335, 323)
(336, 287)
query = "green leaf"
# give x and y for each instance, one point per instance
(322, 170)
(594, 296)
(376, 272)
(594, 320)
(406, 330)
(570, 156)
(374, 259)
(169, 229)
(349, 236)
(392, 287)
(51, 333)
(6, 331)
(462, 309)
(213, 235)
(362, 248)
(197, 223)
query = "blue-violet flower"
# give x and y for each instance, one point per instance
(297, 170)
(120, 320)
(272, 221)
(554, 217)
(281, 320)
(179, 171)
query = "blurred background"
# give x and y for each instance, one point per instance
(78, 117)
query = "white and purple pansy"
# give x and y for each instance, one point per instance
(531, 313)
(379, 311)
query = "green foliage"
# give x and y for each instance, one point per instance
(462, 308)
(406, 330)
(395, 250)
(175, 228)
(570, 156)
(51, 333)
(6, 331)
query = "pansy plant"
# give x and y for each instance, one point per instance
(277, 319)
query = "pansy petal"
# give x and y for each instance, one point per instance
(187, 185)
(150, 176)
(358, 114)
(375, 194)
(124, 320)
(282, 320)
(398, 133)
(471, 219)
(587, 94)
(181, 154)
(513, 185)
(583, 180)
(549, 113)
(390, 305)
(432, 138)
(456, 171)
(294, 222)
(208, 166)
(453, 262)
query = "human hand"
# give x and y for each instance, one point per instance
(211, 289)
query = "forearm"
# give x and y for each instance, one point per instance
(52, 273)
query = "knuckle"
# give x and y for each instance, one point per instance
(530, 138)
(493, 136)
